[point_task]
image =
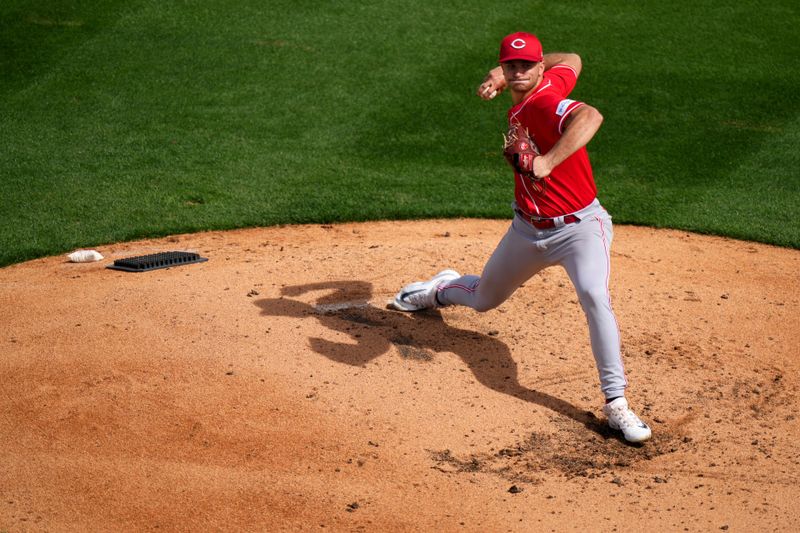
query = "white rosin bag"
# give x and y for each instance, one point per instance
(85, 256)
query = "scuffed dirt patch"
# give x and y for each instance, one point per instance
(592, 451)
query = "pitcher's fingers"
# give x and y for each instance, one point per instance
(487, 91)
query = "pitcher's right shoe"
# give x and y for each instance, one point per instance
(422, 294)
(621, 417)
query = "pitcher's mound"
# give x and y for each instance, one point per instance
(270, 388)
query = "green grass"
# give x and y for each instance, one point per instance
(141, 118)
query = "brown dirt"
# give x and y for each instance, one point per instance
(270, 389)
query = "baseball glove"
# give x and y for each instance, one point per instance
(520, 151)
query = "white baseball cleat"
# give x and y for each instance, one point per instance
(622, 418)
(422, 294)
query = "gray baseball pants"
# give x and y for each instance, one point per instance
(583, 249)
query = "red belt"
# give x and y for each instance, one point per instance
(545, 223)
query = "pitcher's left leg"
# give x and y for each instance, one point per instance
(588, 265)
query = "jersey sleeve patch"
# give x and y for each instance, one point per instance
(563, 105)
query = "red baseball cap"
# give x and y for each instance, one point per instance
(520, 45)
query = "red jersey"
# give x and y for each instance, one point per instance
(571, 185)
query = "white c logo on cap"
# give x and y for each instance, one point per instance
(518, 44)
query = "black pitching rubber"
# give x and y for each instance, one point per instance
(144, 263)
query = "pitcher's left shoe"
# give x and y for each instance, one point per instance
(622, 418)
(422, 294)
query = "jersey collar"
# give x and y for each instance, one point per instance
(542, 86)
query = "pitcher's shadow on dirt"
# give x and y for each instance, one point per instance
(374, 331)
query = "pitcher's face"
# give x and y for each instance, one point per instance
(522, 76)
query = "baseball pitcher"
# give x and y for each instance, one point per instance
(558, 218)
